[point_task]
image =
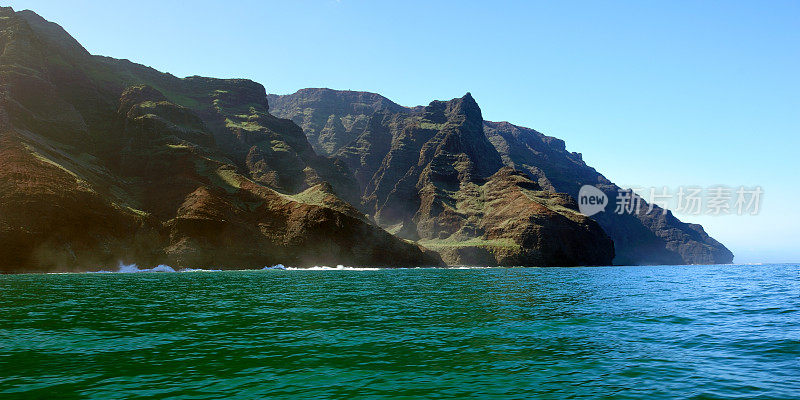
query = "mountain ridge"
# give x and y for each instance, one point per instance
(435, 178)
(644, 238)
(104, 160)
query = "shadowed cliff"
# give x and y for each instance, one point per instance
(409, 161)
(105, 161)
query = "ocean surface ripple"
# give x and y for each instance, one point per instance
(661, 332)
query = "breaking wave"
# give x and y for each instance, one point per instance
(134, 268)
(336, 268)
(198, 270)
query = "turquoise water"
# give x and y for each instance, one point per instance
(619, 332)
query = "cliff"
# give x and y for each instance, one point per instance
(432, 175)
(408, 161)
(105, 161)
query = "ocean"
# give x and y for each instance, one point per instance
(654, 332)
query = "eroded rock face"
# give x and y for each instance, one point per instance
(335, 117)
(431, 174)
(105, 161)
(416, 165)
(510, 220)
(642, 238)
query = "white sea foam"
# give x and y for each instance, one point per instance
(336, 268)
(122, 268)
(198, 270)
(134, 268)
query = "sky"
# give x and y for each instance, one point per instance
(652, 93)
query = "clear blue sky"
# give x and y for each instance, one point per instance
(652, 93)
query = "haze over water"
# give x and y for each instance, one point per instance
(623, 332)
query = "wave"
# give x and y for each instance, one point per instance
(336, 268)
(339, 267)
(133, 268)
(163, 268)
(198, 270)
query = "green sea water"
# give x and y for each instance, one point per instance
(659, 332)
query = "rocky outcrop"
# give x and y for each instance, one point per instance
(432, 175)
(105, 161)
(413, 163)
(510, 220)
(641, 238)
(334, 117)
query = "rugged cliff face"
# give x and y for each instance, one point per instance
(105, 161)
(409, 161)
(642, 238)
(431, 174)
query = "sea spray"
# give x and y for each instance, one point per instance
(134, 268)
(339, 267)
(198, 270)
